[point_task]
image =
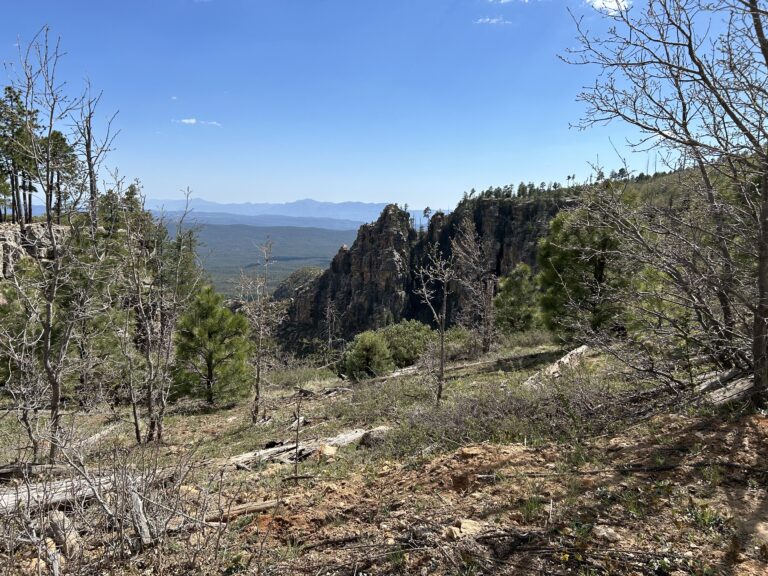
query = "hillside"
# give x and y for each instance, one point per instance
(577, 475)
(343, 212)
(262, 220)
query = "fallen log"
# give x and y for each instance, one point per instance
(94, 440)
(51, 495)
(64, 534)
(555, 370)
(717, 380)
(64, 493)
(734, 391)
(287, 452)
(25, 470)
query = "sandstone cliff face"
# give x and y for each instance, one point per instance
(371, 284)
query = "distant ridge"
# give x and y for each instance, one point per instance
(354, 213)
(261, 220)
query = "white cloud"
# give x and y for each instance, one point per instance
(506, 1)
(493, 21)
(610, 5)
(174, 97)
(196, 122)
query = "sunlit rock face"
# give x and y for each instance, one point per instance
(370, 284)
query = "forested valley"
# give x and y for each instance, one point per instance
(552, 378)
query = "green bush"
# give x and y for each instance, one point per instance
(462, 344)
(407, 341)
(368, 356)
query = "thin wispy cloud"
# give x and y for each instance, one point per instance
(493, 21)
(197, 122)
(505, 1)
(174, 97)
(610, 5)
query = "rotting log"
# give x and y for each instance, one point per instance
(63, 493)
(734, 391)
(287, 452)
(64, 534)
(555, 370)
(94, 440)
(51, 495)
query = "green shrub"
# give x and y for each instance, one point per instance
(407, 341)
(368, 356)
(462, 344)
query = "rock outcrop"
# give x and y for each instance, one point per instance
(34, 241)
(366, 285)
(370, 284)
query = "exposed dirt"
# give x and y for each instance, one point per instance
(676, 495)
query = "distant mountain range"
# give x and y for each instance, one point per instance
(301, 213)
(260, 220)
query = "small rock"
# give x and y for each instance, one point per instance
(373, 438)
(470, 527)
(462, 528)
(471, 452)
(328, 451)
(189, 491)
(606, 533)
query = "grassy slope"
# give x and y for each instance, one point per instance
(555, 481)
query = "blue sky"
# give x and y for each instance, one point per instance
(275, 100)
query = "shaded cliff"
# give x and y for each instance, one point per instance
(370, 284)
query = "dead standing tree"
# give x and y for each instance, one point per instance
(62, 285)
(692, 76)
(477, 279)
(433, 286)
(263, 315)
(160, 278)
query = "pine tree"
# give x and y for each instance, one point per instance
(212, 349)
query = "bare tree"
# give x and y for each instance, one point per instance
(64, 283)
(264, 315)
(692, 76)
(161, 275)
(476, 276)
(433, 286)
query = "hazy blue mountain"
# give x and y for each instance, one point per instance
(357, 212)
(263, 220)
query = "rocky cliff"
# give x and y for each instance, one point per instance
(370, 284)
(366, 285)
(34, 242)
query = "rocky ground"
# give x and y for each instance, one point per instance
(675, 495)
(673, 492)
